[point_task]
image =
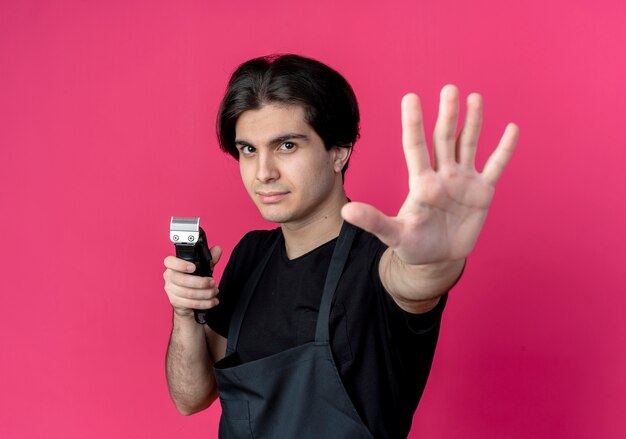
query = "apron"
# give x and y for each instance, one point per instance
(294, 394)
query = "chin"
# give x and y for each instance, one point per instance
(275, 216)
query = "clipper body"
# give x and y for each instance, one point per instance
(191, 245)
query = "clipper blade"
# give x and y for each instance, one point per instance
(191, 245)
(184, 231)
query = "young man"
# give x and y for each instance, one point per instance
(326, 326)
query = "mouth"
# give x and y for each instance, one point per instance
(271, 197)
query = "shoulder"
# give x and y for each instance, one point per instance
(252, 246)
(256, 240)
(244, 258)
(260, 235)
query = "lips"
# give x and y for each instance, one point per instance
(271, 197)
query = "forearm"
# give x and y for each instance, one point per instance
(189, 368)
(417, 288)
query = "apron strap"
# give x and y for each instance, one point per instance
(246, 294)
(337, 264)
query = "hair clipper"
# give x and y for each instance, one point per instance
(191, 245)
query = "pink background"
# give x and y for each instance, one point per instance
(107, 129)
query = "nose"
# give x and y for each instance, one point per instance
(266, 168)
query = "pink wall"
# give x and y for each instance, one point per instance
(107, 112)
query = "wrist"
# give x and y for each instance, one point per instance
(438, 270)
(184, 320)
(423, 282)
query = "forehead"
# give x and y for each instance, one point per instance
(269, 121)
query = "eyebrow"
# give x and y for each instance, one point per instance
(279, 139)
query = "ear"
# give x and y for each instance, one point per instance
(340, 156)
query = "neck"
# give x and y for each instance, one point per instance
(322, 226)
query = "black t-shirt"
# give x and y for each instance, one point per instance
(383, 353)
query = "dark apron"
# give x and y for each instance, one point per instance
(296, 393)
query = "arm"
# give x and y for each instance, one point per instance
(443, 214)
(193, 348)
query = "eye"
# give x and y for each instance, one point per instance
(288, 146)
(246, 150)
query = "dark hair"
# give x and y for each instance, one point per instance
(329, 103)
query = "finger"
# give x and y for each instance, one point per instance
(177, 264)
(189, 280)
(216, 254)
(500, 157)
(468, 139)
(445, 128)
(413, 138)
(191, 293)
(181, 302)
(372, 220)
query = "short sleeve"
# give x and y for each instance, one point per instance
(418, 324)
(424, 322)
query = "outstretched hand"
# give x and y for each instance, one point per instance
(447, 203)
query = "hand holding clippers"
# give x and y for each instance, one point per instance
(191, 245)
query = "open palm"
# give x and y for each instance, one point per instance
(447, 203)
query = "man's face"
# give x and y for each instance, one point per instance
(284, 165)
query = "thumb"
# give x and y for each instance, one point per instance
(216, 254)
(372, 220)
